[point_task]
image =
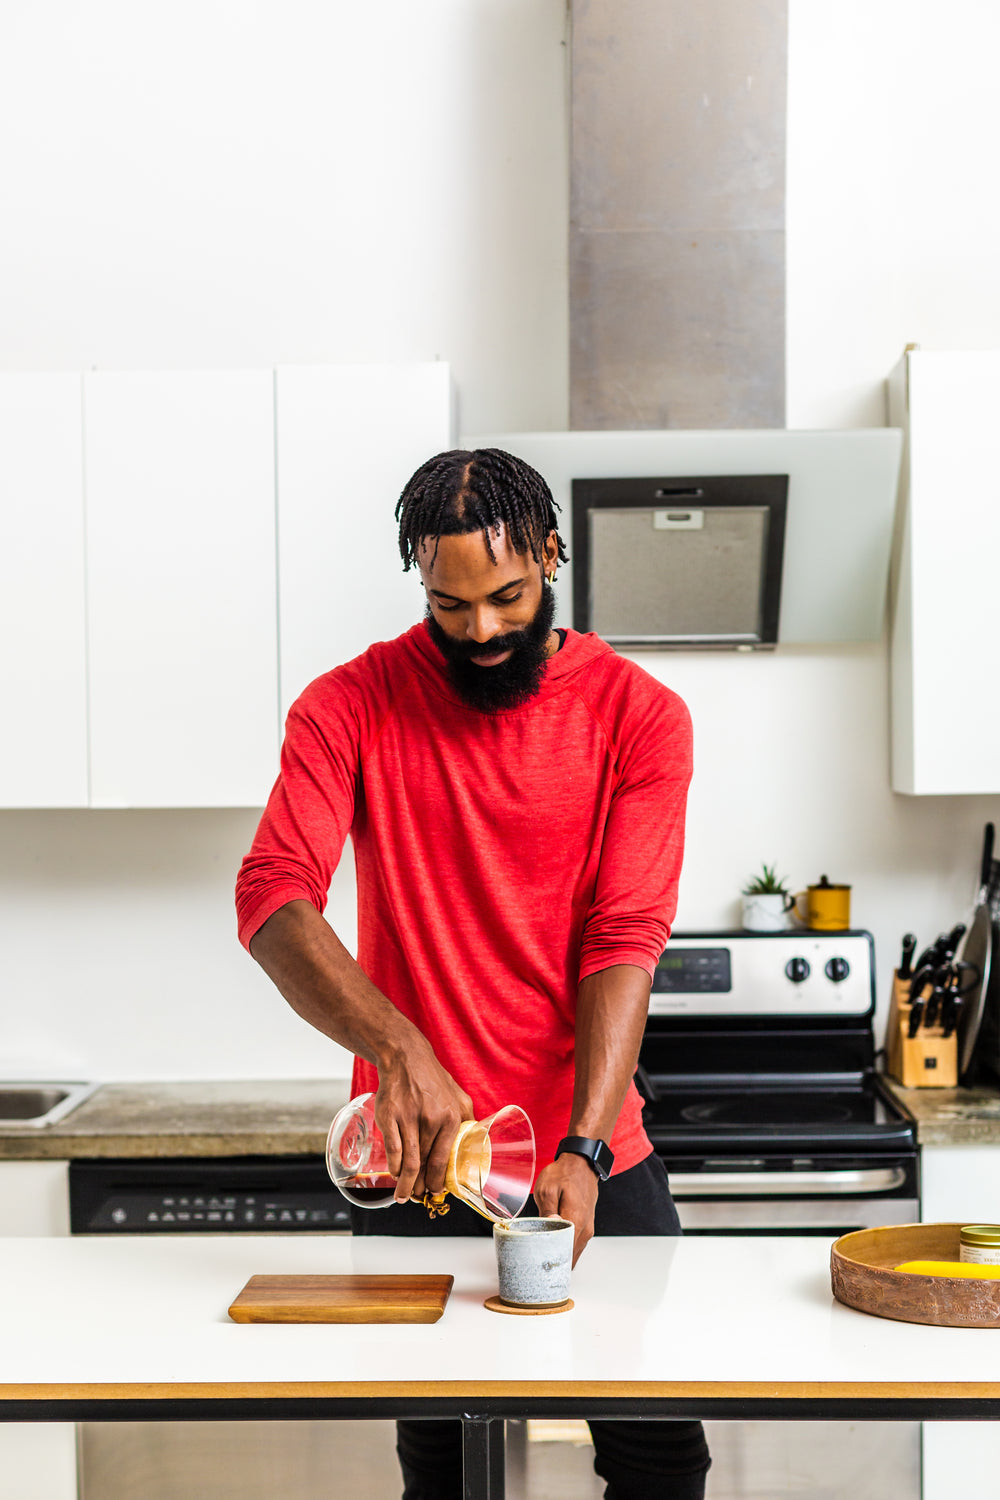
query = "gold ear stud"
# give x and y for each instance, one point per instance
(550, 578)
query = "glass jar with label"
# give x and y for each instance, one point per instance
(980, 1243)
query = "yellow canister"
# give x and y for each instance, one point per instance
(825, 907)
(980, 1243)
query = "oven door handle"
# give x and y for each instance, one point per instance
(786, 1184)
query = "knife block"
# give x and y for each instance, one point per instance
(928, 1060)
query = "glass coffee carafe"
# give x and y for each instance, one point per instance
(491, 1166)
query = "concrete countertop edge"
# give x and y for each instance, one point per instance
(947, 1117)
(196, 1118)
(290, 1117)
(112, 1147)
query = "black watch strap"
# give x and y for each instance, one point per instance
(598, 1153)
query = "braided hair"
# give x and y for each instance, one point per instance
(482, 490)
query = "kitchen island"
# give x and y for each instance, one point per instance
(127, 1329)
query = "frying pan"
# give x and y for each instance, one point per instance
(979, 989)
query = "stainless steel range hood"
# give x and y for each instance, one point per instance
(674, 562)
(656, 566)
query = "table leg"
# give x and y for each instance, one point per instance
(482, 1458)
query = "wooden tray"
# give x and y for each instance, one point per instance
(342, 1299)
(861, 1270)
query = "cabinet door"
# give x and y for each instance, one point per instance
(37, 1459)
(181, 588)
(34, 1198)
(945, 718)
(43, 669)
(349, 437)
(960, 1182)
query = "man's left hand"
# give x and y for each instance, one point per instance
(568, 1187)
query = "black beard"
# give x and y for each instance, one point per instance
(510, 683)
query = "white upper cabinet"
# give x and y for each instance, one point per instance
(181, 588)
(43, 669)
(349, 437)
(139, 567)
(945, 718)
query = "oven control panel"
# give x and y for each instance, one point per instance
(800, 973)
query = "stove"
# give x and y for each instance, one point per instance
(761, 1097)
(810, 1117)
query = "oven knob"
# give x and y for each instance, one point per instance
(797, 970)
(837, 969)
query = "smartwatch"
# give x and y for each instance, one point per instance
(598, 1153)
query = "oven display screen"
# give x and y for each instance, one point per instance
(693, 971)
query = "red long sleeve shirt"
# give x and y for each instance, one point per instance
(501, 857)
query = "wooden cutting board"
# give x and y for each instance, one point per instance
(342, 1299)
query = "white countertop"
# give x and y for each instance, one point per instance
(652, 1316)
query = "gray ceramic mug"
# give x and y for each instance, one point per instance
(534, 1260)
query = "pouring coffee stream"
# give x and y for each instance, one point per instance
(491, 1166)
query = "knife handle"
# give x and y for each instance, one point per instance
(905, 970)
(955, 936)
(916, 1012)
(986, 868)
(921, 979)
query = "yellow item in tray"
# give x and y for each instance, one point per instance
(950, 1268)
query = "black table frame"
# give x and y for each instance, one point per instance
(482, 1418)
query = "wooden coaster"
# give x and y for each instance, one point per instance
(495, 1305)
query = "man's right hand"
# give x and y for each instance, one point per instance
(419, 1106)
(418, 1109)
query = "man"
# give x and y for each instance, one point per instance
(515, 795)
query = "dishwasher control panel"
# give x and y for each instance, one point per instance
(232, 1195)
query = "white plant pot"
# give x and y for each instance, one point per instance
(767, 913)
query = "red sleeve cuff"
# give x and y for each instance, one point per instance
(594, 963)
(254, 918)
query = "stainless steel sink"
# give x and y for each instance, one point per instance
(33, 1105)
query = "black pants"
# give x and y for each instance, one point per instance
(638, 1460)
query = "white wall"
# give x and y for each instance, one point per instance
(229, 184)
(233, 183)
(892, 235)
(120, 958)
(791, 758)
(259, 182)
(893, 218)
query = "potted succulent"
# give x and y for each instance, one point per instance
(767, 902)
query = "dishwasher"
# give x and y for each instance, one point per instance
(308, 1460)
